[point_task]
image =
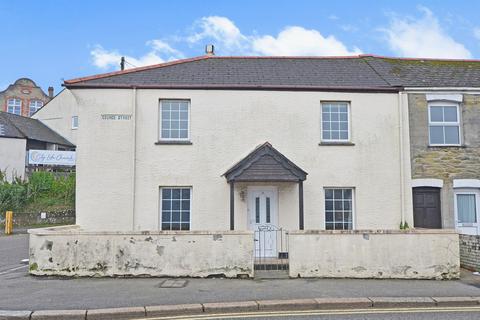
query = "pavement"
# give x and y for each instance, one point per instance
(20, 291)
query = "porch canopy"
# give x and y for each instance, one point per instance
(265, 164)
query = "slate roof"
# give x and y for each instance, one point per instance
(15, 126)
(265, 163)
(354, 73)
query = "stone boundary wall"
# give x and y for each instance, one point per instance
(69, 251)
(470, 252)
(410, 254)
(65, 217)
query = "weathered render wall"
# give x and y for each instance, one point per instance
(446, 163)
(470, 252)
(116, 192)
(57, 115)
(69, 251)
(414, 254)
(12, 157)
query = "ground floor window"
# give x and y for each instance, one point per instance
(338, 208)
(175, 208)
(467, 210)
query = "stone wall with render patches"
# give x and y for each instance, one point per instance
(411, 254)
(69, 251)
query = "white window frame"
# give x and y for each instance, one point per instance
(349, 122)
(74, 125)
(468, 228)
(160, 120)
(34, 104)
(444, 123)
(353, 207)
(160, 212)
(14, 106)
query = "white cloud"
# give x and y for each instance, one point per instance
(160, 51)
(293, 40)
(422, 37)
(301, 41)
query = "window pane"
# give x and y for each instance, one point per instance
(185, 205)
(165, 133)
(175, 208)
(328, 193)
(185, 193)
(335, 135)
(174, 133)
(334, 117)
(166, 204)
(175, 226)
(466, 209)
(183, 134)
(166, 193)
(267, 209)
(185, 226)
(329, 226)
(326, 126)
(326, 116)
(175, 125)
(450, 114)
(436, 114)
(166, 226)
(337, 193)
(343, 125)
(185, 216)
(326, 135)
(175, 204)
(175, 216)
(343, 116)
(347, 194)
(343, 108)
(451, 135)
(176, 193)
(326, 108)
(257, 210)
(165, 125)
(166, 216)
(436, 135)
(344, 135)
(328, 205)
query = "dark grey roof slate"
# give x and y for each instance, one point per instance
(265, 163)
(15, 126)
(364, 72)
(249, 72)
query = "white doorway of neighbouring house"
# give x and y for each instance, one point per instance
(263, 219)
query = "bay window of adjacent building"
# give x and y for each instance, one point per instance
(443, 124)
(175, 203)
(339, 208)
(174, 120)
(14, 106)
(335, 122)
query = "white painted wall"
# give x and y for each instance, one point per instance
(226, 126)
(415, 254)
(71, 252)
(12, 157)
(57, 115)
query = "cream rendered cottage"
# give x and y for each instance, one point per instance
(222, 165)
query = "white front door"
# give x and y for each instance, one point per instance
(263, 219)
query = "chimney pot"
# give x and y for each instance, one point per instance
(50, 92)
(210, 50)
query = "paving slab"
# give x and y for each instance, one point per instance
(393, 302)
(296, 304)
(116, 313)
(241, 306)
(455, 301)
(179, 309)
(343, 303)
(14, 315)
(59, 315)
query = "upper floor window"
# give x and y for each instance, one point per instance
(74, 122)
(34, 106)
(443, 124)
(335, 121)
(14, 106)
(174, 119)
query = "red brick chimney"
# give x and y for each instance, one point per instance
(50, 92)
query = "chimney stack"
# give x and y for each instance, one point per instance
(50, 92)
(210, 50)
(122, 63)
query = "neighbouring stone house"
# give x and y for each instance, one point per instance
(227, 165)
(24, 97)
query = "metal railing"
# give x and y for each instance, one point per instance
(271, 248)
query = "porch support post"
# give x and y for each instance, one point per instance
(232, 205)
(300, 205)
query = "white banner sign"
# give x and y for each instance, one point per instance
(49, 157)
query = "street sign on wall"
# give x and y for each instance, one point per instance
(50, 157)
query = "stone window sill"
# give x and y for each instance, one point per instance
(451, 146)
(325, 143)
(174, 142)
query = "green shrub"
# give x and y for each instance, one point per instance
(13, 196)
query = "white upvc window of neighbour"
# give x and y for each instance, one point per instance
(174, 120)
(443, 124)
(335, 121)
(34, 106)
(14, 106)
(74, 122)
(467, 210)
(339, 208)
(175, 203)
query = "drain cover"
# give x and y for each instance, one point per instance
(173, 283)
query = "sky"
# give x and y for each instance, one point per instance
(52, 40)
